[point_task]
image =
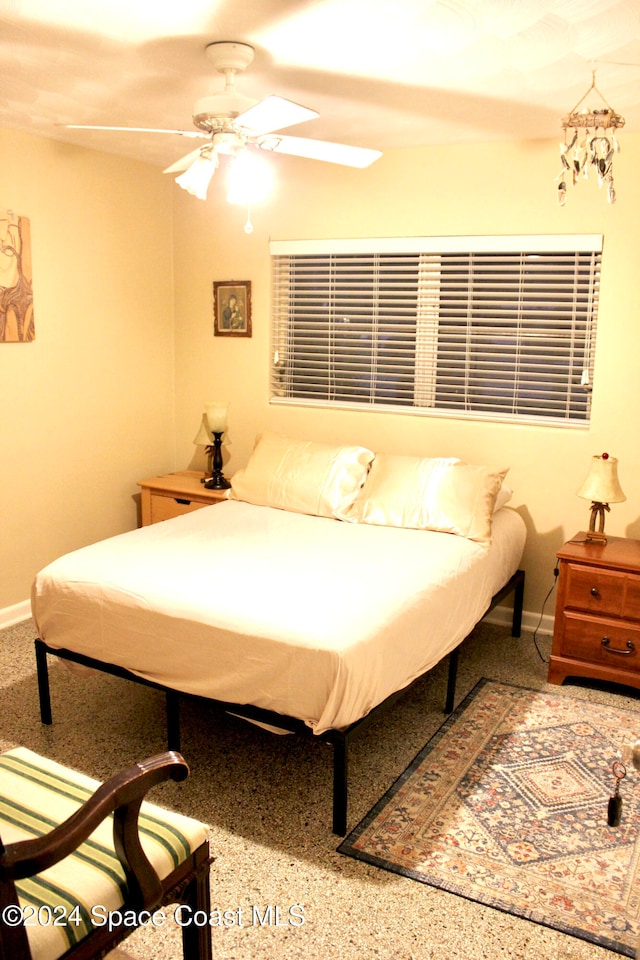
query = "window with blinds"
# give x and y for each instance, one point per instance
(499, 328)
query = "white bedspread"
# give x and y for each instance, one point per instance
(309, 617)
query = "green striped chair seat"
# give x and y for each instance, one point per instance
(65, 903)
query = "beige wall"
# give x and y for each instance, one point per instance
(486, 189)
(88, 407)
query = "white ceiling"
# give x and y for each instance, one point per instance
(381, 73)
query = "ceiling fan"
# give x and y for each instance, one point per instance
(231, 122)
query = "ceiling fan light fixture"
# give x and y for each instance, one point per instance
(228, 143)
(197, 177)
(239, 128)
(249, 179)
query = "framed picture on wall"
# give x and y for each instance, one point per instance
(16, 286)
(232, 308)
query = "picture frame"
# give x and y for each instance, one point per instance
(232, 308)
(16, 280)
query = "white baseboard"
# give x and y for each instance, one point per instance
(503, 616)
(15, 614)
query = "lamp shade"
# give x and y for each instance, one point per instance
(197, 177)
(204, 437)
(249, 179)
(216, 414)
(601, 484)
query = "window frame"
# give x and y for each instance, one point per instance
(428, 249)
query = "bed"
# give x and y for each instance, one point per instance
(306, 615)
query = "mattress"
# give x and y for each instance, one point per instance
(306, 616)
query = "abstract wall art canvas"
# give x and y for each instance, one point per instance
(16, 290)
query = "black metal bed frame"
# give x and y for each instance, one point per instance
(339, 739)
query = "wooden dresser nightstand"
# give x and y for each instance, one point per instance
(597, 622)
(175, 494)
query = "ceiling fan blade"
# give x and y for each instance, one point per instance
(321, 150)
(274, 113)
(89, 126)
(183, 162)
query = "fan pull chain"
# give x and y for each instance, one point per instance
(248, 227)
(614, 811)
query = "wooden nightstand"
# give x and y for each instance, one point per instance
(174, 494)
(597, 622)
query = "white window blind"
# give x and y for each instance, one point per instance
(491, 327)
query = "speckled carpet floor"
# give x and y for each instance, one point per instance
(267, 800)
(507, 805)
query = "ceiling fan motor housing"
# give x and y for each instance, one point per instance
(219, 106)
(229, 59)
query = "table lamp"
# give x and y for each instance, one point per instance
(216, 417)
(204, 438)
(602, 488)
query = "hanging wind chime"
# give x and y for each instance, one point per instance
(590, 144)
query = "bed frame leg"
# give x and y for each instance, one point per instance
(451, 680)
(340, 794)
(173, 720)
(44, 692)
(518, 603)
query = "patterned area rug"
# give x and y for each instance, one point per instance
(507, 805)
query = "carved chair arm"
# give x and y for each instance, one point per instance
(122, 795)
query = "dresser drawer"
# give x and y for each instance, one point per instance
(165, 508)
(168, 496)
(595, 590)
(600, 641)
(631, 607)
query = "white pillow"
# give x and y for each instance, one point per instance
(504, 495)
(302, 476)
(436, 493)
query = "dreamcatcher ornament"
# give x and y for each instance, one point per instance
(590, 144)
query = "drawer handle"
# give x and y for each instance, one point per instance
(595, 592)
(180, 500)
(623, 653)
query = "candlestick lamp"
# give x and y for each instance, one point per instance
(216, 417)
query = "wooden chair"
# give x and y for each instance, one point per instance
(83, 864)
